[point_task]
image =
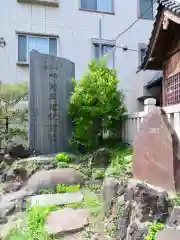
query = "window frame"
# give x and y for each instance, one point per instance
(98, 11)
(104, 42)
(143, 17)
(19, 62)
(140, 47)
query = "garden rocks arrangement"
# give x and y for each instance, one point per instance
(128, 206)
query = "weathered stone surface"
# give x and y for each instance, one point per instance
(55, 199)
(156, 157)
(167, 234)
(49, 89)
(109, 191)
(16, 150)
(15, 221)
(8, 159)
(174, 220)
(123, 222)
(66, 220)
(101, 157)
(99, 236)
(49, 179)
(42, 159)
(12, 187)
(143, 204)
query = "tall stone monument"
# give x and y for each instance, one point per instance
(156, 157)
(49, 89)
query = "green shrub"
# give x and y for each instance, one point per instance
(96, 106)
(62, 165)
(46, 191)
(175, 201)
(62, 188)
(63, 157)
(91, 202)
(98, 174)
(121, 162)
(153, 229)
(35, 225)
(36, 219)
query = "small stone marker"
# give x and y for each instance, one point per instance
(55, 199)
(156, 157)
(167, 234)
(66, 220)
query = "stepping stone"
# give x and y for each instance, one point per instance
(45, 159)
(55, 199)
(167, 234)
(66, 220)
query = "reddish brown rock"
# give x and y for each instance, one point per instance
(156, 157)
(66, 220)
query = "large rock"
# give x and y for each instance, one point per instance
(156, 157)
(174, 219)
(167, 234)
(12, 186)
(16, 150)
(8, 159)
(55, 199)
(143, 204)
(66, 220)
(49, 179)
(101, 157)
(17, 221)
(109, 192)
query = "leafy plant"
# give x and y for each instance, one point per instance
(96, 106)
(98, 174)
(63, 157)
(121, 162)
(60, 188)
(46, 191)
(62, 165)
(35, 225)
(36, 219)
(175, 201)
(12, 112)
(91, 202)
(153, 229)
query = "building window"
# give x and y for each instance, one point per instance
(171, 90)
(27, 43)
(143, 6)
(106, 50)
(97, 5)
(142, 51)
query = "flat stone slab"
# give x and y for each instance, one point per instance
(167, 234)
(55, 199)
(41, 158)
(66, 220)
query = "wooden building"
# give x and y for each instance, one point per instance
(163, 50)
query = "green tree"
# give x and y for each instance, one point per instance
(16, 116)
(96, 106)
